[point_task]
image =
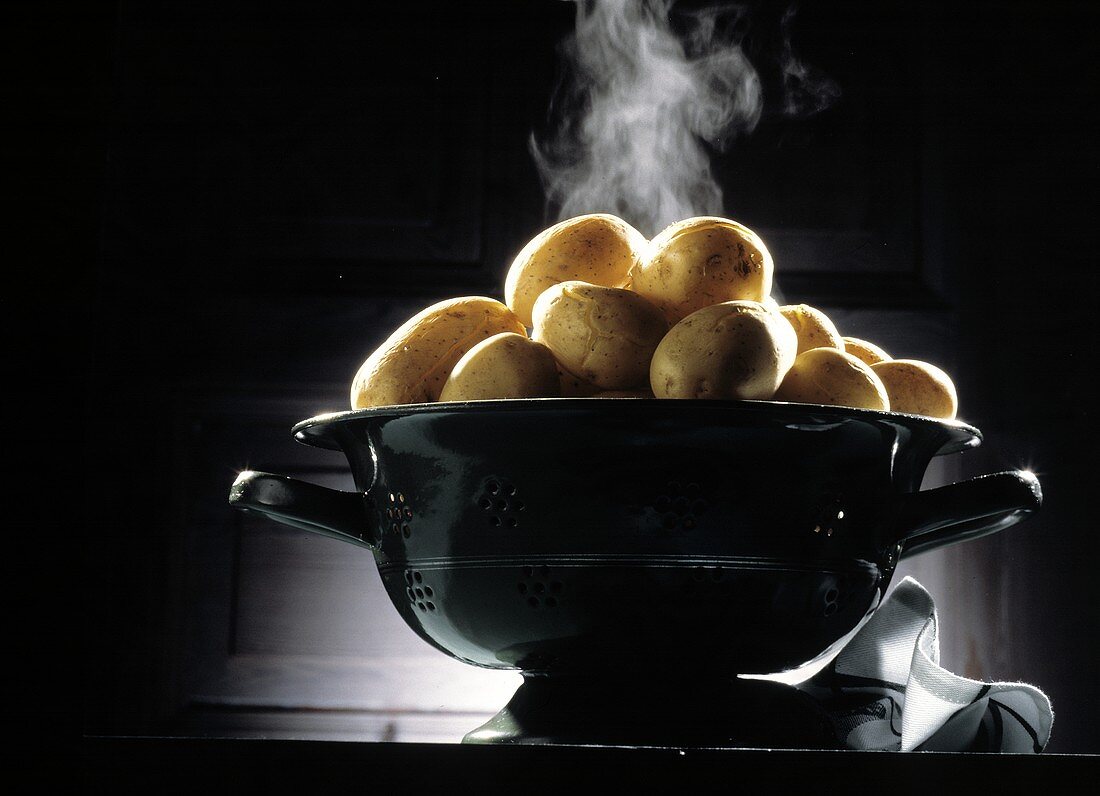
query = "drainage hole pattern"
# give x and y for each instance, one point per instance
(835, 599)
(501, 502)
(419, 592)
(830, 517)
(398, 514)
(680, 505)
(538, 588)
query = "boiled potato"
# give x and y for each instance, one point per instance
(868, 353)
(414, 363)
(831, 376)
(813, 327)
(506, 365)
(599, 249)
(646, 393)
(574, 386)
(734, 349)
(603, 335)
(918, 388)
(702, 261)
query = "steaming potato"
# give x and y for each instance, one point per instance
(703, 261)
(599, 249)
(918, 388)
(813, 327)
(604, 335)
(414, 363)
(868, 353)
(506, 365)
(831, 376)
(734, 349)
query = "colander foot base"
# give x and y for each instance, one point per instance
(659, 711)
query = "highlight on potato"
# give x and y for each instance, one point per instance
(867, 353)
(415, 361)
(599, 249)
(604, 335)
(593, 310)
(812, 326)
(702, 261)
(735, 349)
(506, 365)
(830, 376)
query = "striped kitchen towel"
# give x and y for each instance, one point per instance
(885, 690)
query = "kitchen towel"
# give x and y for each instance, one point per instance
(885, 690)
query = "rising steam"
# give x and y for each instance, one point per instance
(806, 90)
(641, 104)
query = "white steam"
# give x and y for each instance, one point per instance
(642, 103)
(645, 100)
(806, 90)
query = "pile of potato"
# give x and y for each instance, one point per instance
(594, 309)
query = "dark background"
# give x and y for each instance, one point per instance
(230, 207)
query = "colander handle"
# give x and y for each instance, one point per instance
(966, 510)
(329, 512)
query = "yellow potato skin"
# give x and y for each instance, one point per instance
(506, 365)
(599, 249)
(574, 386)
(646, 393)
(812, 326)
(918, 388)
(603, 335)
(730, 350)
(868, 353)
(831, 376)
(702, 261)
(415, 361)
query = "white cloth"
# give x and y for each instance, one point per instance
(885, 690)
